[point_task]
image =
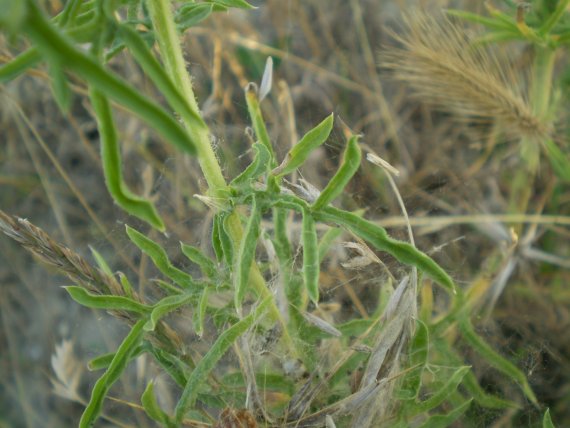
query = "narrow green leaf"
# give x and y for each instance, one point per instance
(19, 65)
(126, 284)
(195, 255)
(559, 11)
(265, 381)
(491, 23)
(258, 166)
(281, 238)
(112, 303)
(171, 364)
(326, 241)
(113, 372)
(225, 239)
(547, 420)
(152, 408)
(104, 361)
(419, 349)
(257, 119)
(59, 87)
(160, 259)
(101, 263)
(241, 4)
(199, 317)
(378, 237)
(348, 167)
(311, 266)
(496, 37)
(444, 421)
(216, 238)
(111, 160)
(442, 393)
(246, 253)
(192, 14)
(209, 361)
(559, 161)
(168, 287)
(139, 49)
(470, 382)
(496, 360)
(166, 305)
(301, 151)
(54, 45)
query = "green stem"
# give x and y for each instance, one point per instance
(540, 98)
(171, 52)
(541, 88)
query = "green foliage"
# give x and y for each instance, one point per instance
(348, 167)
(301, 151)
(112, 374)
(310, 256)
(207, 363)
(433, 375)
(117, 303)
(160, 259)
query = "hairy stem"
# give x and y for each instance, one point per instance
(171, 53)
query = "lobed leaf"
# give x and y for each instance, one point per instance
(349, 165)
(311, 263)
(160, 259)
(111, 160)
(209, 361)
(496, 360)
(166, 305)
(113, 372)
(111, 303)
(301, 151)
(246, 253)
(378, 237)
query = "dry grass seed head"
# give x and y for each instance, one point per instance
(446, 67)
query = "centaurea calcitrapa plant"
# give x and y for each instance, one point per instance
(395, 379)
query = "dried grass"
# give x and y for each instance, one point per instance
(446, 67)
(80, 272)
